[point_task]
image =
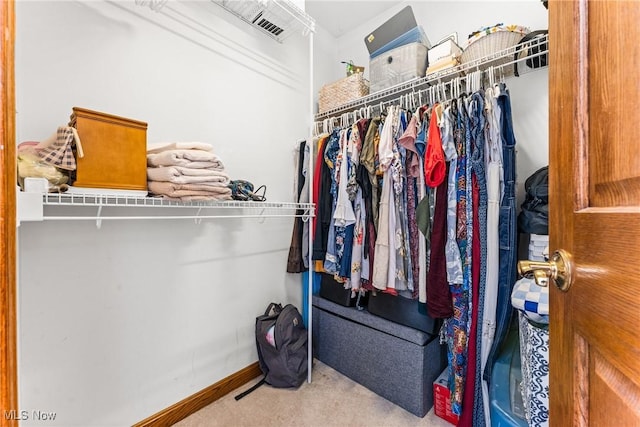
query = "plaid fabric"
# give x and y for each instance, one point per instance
(532, 300)
(58, 151)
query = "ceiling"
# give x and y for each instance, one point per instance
(337, 17)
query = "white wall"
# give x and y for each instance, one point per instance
(120, 322)
(529, 93)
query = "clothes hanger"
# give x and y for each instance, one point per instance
(491, 76)
(334, 123)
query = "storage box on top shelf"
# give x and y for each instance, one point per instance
(397, 66)
(444, 54)
(115, 151)
(394, 29)
(414, 35)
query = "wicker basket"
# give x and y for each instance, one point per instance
(492, 40)
(342, 91)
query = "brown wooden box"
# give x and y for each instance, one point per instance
(115, 151)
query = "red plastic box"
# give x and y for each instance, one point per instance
(441, 400)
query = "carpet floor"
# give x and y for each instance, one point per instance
(331, 399)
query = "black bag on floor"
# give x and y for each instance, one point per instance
(281, 340)
(534, 217)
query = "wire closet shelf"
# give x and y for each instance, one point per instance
(498, 65)
(198, 209)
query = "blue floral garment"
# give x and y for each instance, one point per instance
(457, 327)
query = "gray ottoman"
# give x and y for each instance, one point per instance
(394, 361)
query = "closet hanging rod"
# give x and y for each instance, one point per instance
(499, 60)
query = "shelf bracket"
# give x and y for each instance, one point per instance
(99, 218)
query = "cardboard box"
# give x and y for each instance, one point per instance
(446, 49)
(115, 151)
(441, 399)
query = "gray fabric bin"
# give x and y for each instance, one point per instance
(394, 361)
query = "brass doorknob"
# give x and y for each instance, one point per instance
(558, 269)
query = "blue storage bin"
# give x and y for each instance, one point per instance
(506, 405)
(415, 35)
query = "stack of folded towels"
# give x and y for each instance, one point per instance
(186, 171)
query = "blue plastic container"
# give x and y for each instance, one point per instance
(415, 35)
(506, 406)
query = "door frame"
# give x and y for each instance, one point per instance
(8, 316)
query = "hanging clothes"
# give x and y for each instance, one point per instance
(434, 164)
(452, 252)
(423, 205)
(364, 177)
(493, 158)
(385, 239)
(413, 173)
(359, 269)
(403, 273)
(439, 303)
(457, 327)
(479, 263)
(295, 260)
(423, 208)
(507, 227)
(331, 263)
(324, 204)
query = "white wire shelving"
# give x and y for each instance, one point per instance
(499, 63)
(73, 207)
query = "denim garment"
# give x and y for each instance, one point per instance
(478, 127)
(344, 246)
(507, 227)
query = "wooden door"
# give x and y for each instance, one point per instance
(8, 369)
(594, 151)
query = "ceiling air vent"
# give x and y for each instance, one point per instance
(267, 25)
(277, 18)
